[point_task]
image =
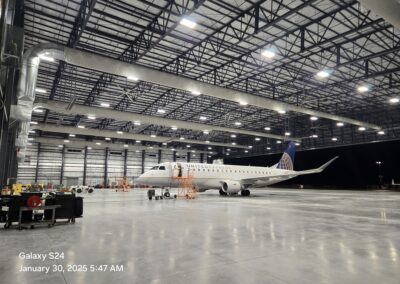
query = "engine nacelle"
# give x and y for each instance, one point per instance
(230, 186)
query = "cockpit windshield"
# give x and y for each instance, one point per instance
(154, 168)
(161, 168)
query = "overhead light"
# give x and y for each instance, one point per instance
(72, 135)
(91, 117)
(31, 139)
(81, 126)
(174, 128)
(297, 144)
(313, 118)
(181, 138)
(334, 139)
(105, 104)
(107, 138)
(194, 155)
(250, 147)
(172, 149)
(33, 122)
(153, 136)
(394, 100)
(193, 151)
(203, 118)
(228, 149)
(287, 133)
(66, 141)
(209, 148)
(268, 148)
(268, 53)
(210, 152)
(257, 138)
(362, 89)
(136, 123)
(137, 151)
(164, 143)
(243, 103)
(89, 148)
(188, 23)
(161, 110)
(60, 146)
(209, 156)
(227, 154)
(279, 142)
(237, 123)
(362, 128)
(188, 146)
(340, 124)
(281, 111)
(246, 151)
(120, 132)
(381, 132)
(98, 143)
(38, 110)
(132, 78)
(40, 91)
(314, 136)
(206, 132)
(323, 74)
(233, 136)
(151, 147)
(207, 141)
(233, 143)
(46, 58)
(267, 128)
(138, 141)
(126, 145)
(31, 131)
(196, 93)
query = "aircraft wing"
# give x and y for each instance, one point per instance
(289, 174)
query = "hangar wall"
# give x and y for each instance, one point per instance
(51, 164)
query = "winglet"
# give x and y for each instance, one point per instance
(324, 166)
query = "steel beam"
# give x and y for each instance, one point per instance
(62, 164)
(105, 182)
(37, 163)
(143, 158)
(85, 165)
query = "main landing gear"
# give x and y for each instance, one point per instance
(222, 193)
(245, 192)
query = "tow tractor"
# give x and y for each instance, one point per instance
(165, 194)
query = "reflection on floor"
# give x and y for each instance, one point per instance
(274, 236)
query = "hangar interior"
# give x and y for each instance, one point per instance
(96, 90)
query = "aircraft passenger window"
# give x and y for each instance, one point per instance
(161, 168)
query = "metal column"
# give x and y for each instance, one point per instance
(62, 165)
(85, 166)
(201, 157)
(143, 157)
(125, 162)
(105, 182)
(37, 163)
(174, 156)
(188, 157)
(159, 156)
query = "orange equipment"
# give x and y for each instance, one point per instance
(123, 185)
(186, 187)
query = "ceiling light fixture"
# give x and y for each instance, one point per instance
(188, 23)
(243, 103)
(46, 58)
(120, 132)
(195, 93)
(287, 133)
(362, 89)
(281, 111)
(323, 74)
(132, 78)
(237, 123)
(81, 126)
(268, 53)
(40, 91)
(340, 124)
(203, 118)
(105, 104)
(394, 100)
(381, 132)
(267, 128)
(137, 123)
(362, 128)
(313, 118)
(174, 128)
(91, 117)
(160, 110)
(72, 135)
(334, 139)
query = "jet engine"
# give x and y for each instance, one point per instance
(230, 186)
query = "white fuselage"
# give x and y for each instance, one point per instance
(208, 176)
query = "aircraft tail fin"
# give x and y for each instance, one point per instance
(287, 160)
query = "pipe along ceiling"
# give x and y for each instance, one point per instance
(30, 66)
(125, 135)
(61, 107)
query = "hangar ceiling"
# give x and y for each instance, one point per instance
(270, 49)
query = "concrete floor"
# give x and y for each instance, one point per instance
(274, 236)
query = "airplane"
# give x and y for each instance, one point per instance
(229, 179)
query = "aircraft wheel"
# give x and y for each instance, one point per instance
(222, 193)
(245, 192)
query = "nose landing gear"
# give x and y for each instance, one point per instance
(222, 193)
